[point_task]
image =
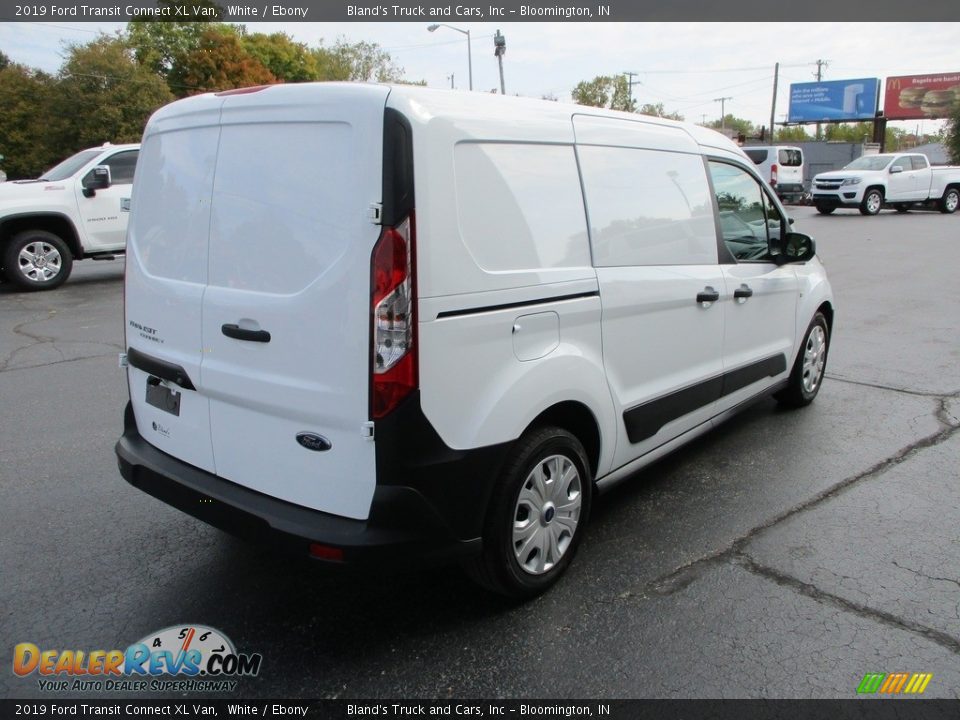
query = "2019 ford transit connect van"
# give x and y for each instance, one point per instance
(369, 322)
(782, 167)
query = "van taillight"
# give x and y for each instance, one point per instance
(393, 302)
(773, 175)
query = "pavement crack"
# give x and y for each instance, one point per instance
(880, 386)
(61, 362)
(928, 577)
(682, 576)
(942, 639)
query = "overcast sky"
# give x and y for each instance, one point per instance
(683, 65)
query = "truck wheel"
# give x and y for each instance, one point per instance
(825, 209)
(872, 202)
(37, 260)
(950, 201)
(810, 366)
(537, 515)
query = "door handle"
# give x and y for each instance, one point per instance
(707, 295)
(742, 293)
(236, 332)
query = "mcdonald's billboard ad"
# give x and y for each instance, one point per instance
(918, 97)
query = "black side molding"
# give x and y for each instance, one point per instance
(644, 421)
(159, 368)
(522, 303)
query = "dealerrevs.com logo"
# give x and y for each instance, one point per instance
(180, 658)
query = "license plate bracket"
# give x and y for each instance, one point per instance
(162, 397)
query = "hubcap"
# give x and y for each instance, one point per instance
(953, 198)
(814, 358)
(547, 512)
(39, 261)
(873, 202)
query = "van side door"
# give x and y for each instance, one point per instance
(760, 299)
(655, 251)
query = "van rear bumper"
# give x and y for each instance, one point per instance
(402, 527)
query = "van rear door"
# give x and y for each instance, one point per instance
(166, 274)
(286, 314)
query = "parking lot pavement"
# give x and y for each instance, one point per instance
(785, 554)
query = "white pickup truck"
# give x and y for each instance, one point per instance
(76, 210)
(897, 180)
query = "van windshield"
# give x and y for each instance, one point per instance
(870, 162)
(758, 155)
(791, 158)
(69, 166)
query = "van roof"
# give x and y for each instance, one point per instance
(458, 104)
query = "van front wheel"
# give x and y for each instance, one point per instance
(809, 367)
(537, 514)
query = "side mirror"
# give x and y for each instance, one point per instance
(895, 169)
(798, 248)
(96, 179)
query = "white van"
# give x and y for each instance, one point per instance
(782, 167)
(383, 323)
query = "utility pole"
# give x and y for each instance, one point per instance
(500, 49)
(630, 83)
(773, 105)
(450, 78)
(821, 64)
(723, 110)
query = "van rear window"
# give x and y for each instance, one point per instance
(519, 206)
(758, 155)
(791, 158)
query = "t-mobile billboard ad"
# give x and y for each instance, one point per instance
(915, 97)
(834, 100)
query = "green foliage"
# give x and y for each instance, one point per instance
(738, 125)
(220, 62)
(793, 133)
(605, 91)
(658, 110)
(25, 139)
(4, 60)
(287, 60)
(952, 137)
(356, 61)
(104, 95)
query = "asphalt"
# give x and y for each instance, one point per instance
(785, 554)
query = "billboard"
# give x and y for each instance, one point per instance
(915, 97)
(834, 100)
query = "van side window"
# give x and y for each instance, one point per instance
(747, 216)
(520, 206)
(647, 207)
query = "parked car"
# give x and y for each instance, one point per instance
(369, 323)
(74, 211)
(898, 180)
(782, 167)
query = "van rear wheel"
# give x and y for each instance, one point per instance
(537, 514)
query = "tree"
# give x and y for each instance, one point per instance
(793, 133)
(952, 137)
(288, 60)
(356, 61)
(220, 62)
(25, 137)
(4, 60)
(104, 95)
(658, 110)
(605, 91)
(739, 126)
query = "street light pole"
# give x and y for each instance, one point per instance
(500, 49)
(433, 28)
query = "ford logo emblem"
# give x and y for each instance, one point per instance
(312, 441)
